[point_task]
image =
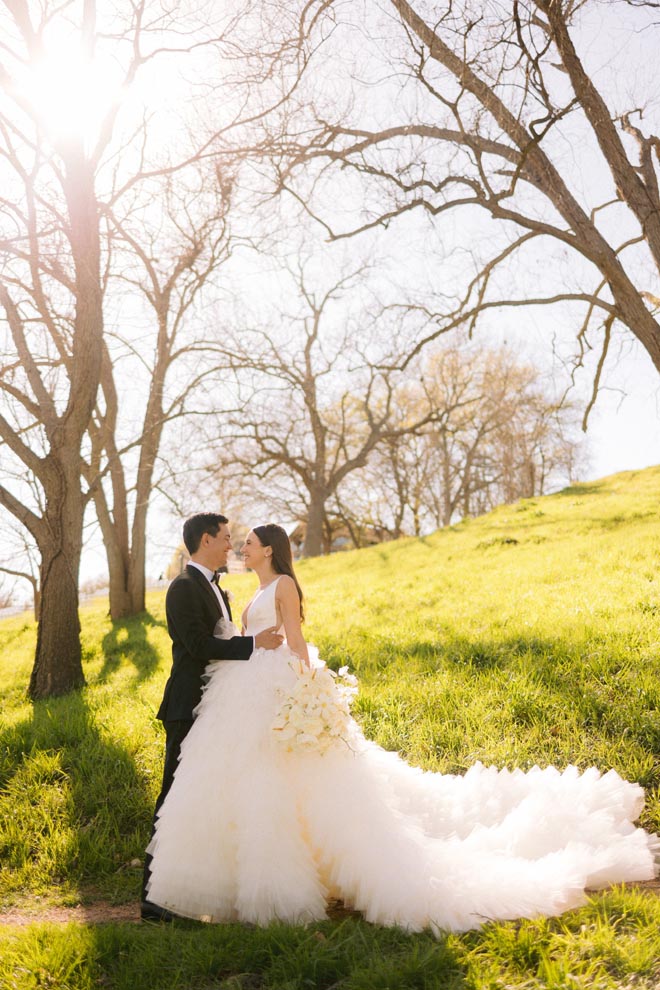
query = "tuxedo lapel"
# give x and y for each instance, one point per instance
(205, 585)
(225, 598)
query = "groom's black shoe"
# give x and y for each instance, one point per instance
(152, 912)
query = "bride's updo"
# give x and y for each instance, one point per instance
(273, 536)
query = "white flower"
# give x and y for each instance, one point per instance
(316, 716)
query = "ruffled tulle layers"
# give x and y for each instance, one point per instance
(252, 832)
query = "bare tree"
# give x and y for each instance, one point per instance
(505, 437)
(494, 108)
(167, 260)
(51, 250)
(67, 188)
(533, 448)
(6, 594)
(19, 554)
(319, 397)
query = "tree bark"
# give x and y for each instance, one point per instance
(118, 576)
(313, 545)
(137, 584)
(127, 560)
(58, 660)
(126, 564)
(151, 437)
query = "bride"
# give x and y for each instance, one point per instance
(258, 827)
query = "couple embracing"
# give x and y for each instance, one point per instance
(200, 625)
(248, 830)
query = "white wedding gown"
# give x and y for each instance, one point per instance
(251, 832)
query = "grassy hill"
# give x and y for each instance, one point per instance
(530, 635)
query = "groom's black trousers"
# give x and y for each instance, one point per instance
(175, 732)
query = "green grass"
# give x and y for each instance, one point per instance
(531, 635)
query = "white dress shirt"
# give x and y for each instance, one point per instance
(208, 574)
(216, 590)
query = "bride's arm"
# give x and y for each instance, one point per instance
(288, 605)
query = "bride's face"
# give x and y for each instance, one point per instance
(254, 553)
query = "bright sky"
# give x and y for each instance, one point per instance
(625, 433)
(624, 430)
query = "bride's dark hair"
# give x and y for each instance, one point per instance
(272, 535)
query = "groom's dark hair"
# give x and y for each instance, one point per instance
(195, 527)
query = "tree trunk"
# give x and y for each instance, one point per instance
(447, 500)
(417, 520)
(136, 571)
(313, 545)
(118, 568)
(126, 570)
(153, 429)
(127, 559)
(58, 660)
(125, 573)
(126, 586)
(126, 589)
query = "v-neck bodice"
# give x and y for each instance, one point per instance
(261, 612)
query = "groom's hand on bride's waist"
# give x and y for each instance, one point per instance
(268, 639)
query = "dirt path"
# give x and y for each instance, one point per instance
(92, 914)
(99, 912)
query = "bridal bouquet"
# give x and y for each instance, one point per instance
(316, 716)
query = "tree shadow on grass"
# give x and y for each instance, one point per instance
(487, 653)
(586, 488)
(456, 650)
(74, 809)
(493, 653)
(128, 640)
(321, 955)
(543, 682)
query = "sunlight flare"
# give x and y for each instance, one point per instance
(71, 91)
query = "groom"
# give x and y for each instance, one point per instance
(195, 606)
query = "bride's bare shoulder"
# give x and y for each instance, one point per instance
(286, 591)
(285, 584)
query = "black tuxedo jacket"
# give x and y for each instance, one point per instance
(192, 612)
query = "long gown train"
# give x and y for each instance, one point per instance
(251, 832)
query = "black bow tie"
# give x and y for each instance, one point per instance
(216, 579)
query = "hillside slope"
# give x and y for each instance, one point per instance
(530, 635)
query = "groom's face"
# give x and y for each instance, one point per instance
(218, 546)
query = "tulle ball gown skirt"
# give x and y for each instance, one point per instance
(253, 832)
